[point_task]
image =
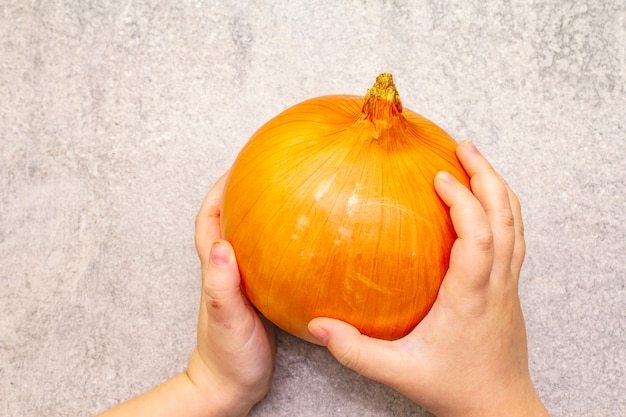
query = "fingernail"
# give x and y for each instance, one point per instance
(220, 255)
(446, 177)
(472, 147)
(320, 334)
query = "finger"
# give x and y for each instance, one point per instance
(471, 257)
(208, 219)
(227, 309)
(519, 250)
(374, 358)
(493, 194)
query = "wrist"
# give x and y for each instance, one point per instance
(521, 402)
(488, 396)
(221, 397)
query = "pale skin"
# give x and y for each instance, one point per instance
(467, 358)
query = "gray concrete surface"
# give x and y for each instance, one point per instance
(117, 116)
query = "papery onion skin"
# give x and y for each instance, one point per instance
(331, 210)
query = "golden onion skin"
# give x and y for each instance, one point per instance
(331, 210)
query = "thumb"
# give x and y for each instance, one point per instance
(376, 359)
(224, 303)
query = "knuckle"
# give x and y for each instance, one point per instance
(210, 212)
(506, 217)
(350, 357)
(214, 294)
(484, 241)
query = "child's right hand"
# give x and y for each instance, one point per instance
(468, 357)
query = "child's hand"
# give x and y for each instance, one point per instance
(232, 366)
(468, 357)
(234, 357)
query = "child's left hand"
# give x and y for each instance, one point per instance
(232, 365)
(235, 353)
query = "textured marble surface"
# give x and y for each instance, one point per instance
(117, 116)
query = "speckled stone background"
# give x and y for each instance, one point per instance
(117, 116)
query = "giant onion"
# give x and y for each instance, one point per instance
(331, 210)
